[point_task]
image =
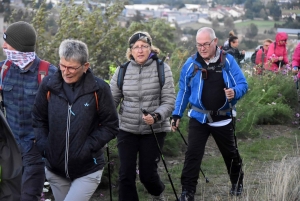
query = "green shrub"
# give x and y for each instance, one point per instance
(270, 100)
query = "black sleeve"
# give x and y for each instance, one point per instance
(40, 116)
(108, 118)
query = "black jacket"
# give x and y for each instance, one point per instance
(73, 134)
(235, 53)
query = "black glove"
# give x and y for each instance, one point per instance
(155, 116)
(175, 119)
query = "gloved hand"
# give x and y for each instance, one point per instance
(175, 122)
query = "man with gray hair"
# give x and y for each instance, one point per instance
(211, 82)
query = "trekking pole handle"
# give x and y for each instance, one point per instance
(144, 112)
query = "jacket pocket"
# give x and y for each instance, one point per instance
(9, 97)
(30, 94)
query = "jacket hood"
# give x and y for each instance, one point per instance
(281, 36)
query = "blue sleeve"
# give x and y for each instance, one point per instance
(184, 89)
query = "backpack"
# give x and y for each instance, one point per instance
(253, 56)
(196, 68)
(160, 70)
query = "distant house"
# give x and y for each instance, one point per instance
(147, 7)
(192, 7)
(234, 13)
(215, 13)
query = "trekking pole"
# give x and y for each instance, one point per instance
(234, 134)
(161, 155)
(206, 179)
(280, 63)
(109, 173)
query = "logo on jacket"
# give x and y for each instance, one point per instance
(86, 104)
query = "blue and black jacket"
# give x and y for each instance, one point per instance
(191, 86)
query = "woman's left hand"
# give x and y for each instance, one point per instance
(148, 119)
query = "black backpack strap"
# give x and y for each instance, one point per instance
(161, 72)
(196, 68)
(121, 75)
(223, 58)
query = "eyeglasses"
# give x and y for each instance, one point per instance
(143, 47)
(69, 68)
(205, 45)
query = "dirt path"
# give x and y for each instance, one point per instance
(256, 175)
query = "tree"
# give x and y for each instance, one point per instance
(228, 23)
(106, 39)
(252, 31)
(138, 17)
(215, 23)
(274, 10)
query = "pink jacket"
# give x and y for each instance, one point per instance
(296, 56)
(296, 59)
(259, 56)
(276, 50)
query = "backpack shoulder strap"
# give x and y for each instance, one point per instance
(161, 72)
(223, 58)
(5, 68)
(121, 75)
(43, 70)
(196, 68)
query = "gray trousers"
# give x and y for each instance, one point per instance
(79, 189)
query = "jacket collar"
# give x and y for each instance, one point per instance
(88, 83)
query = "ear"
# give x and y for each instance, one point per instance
(86, 66)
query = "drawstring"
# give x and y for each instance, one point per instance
(67, 140)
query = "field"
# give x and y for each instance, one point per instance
(262, 25)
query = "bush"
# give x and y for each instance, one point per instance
(270, 100)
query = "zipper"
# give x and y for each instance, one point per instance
(70, 112)
(140, 98)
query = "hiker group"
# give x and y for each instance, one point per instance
(62, 117)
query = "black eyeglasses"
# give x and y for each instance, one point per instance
(205, 45)
(69, 68)
(143, 47)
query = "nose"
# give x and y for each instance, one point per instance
(4, 45)
(65, 72)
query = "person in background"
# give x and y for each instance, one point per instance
(18, 88)
(295, 69)
(233, 49)
(226, 43)
(212, 93)
(261, 55)
(74, 117)
(261, 58)
(141, 89)
(277, 53)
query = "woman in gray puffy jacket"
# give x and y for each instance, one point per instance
(141, 89)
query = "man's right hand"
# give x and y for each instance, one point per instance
(175, 123)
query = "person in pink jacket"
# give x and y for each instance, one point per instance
(296, 61)
(277, 53)
(261, 58)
